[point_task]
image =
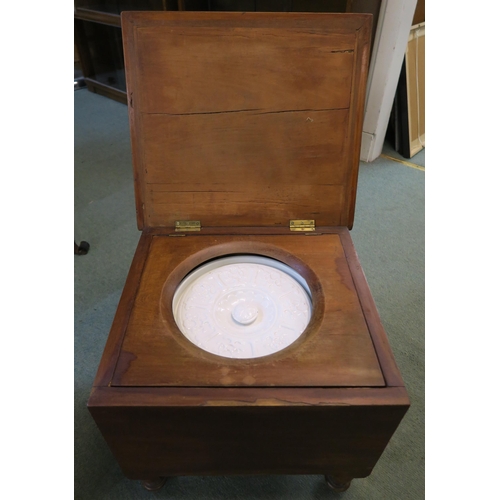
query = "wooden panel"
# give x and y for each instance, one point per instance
(243, 204)
(247, 396)
(250, 98)
(231, 69)
(119, 326)
(158, 441)
(385, 356)
(226, 180)
(335, 350)
(221, 148)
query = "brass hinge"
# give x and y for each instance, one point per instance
(187, 225)
(302, 225)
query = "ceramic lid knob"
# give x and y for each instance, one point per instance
(245, 314)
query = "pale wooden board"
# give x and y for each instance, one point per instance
(415, 78)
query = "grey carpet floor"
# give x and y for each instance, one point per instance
(389, 237)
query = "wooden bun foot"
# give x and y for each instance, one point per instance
(336, 484)
(154, 484)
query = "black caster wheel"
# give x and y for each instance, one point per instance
(82, 249)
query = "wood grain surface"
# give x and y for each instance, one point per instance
(159, 441)
(335, 350)
(221, 181)
(245, 119)
(122, 315)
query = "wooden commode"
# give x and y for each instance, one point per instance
(246, 132)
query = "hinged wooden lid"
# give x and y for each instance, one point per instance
(245, 119)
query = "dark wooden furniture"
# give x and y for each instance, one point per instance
(247, 122)
(98, 39)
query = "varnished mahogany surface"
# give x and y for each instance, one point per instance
(162, 440)
(163, 431)
(126, 305)
(335, 350)
(247, 119)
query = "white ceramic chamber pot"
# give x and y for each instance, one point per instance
(244, 306)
